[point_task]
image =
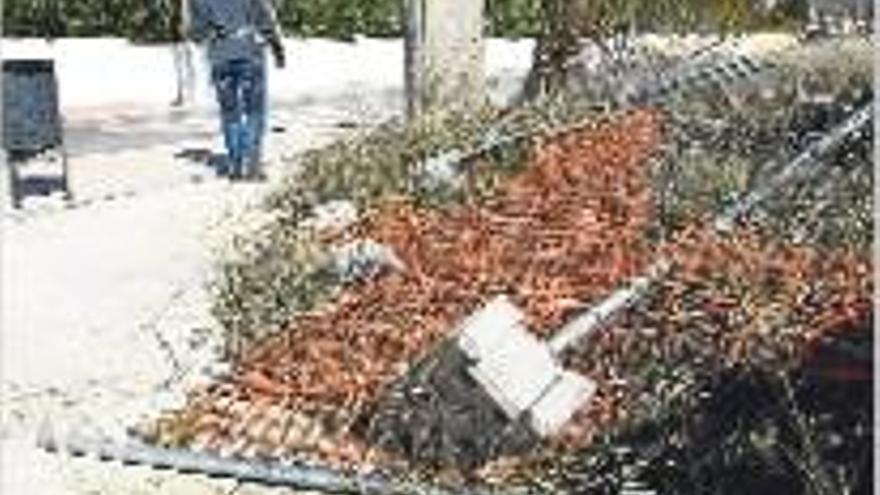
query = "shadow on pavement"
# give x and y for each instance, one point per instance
(118, 132)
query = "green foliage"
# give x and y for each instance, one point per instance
(513, 18)
(271, 279)
(147, 20)
(341, 18)
(141, 20)
(724, 142)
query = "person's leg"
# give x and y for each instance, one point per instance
(188, 74)
(227, 81)
(254, 101)
(176, 52)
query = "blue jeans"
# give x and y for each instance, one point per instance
(241, 93)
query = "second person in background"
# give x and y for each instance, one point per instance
(182, 52)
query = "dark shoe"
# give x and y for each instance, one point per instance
(255, 170)
(234, 170)
(256, 175)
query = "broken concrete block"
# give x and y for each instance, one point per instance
(568, 394)
(363, 259)
(440, 170)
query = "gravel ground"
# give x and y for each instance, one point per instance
(104, 305)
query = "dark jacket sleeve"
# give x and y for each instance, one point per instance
(266, 21)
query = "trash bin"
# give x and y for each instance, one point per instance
(32, 125)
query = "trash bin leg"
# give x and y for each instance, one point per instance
(65, 177)
(14, 183)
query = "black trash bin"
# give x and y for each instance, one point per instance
(32, 125)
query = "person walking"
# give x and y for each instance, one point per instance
(182, 52)
(237, 33)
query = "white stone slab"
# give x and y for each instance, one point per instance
(512, 366)
(566, 396)
(484, 329)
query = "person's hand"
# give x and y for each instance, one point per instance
(278, 55)
(280, 61)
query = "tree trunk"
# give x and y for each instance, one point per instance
(444, 55)
(557, 43)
